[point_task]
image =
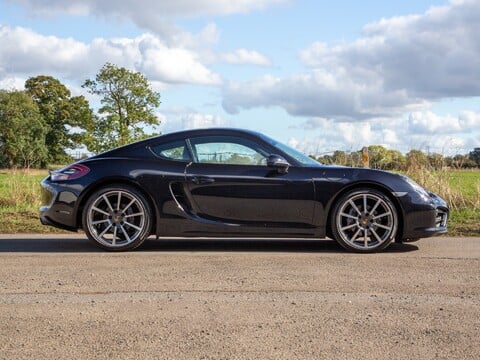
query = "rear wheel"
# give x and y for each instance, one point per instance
(117, 218)
(364, 220)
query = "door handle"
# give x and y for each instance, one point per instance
(202, 180)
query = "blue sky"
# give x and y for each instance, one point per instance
(318, 75)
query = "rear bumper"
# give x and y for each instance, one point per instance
(58, 206)
(45, 220)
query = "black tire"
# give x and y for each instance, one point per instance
(364, 220)
(117, 218)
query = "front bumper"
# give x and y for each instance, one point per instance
(428, 217)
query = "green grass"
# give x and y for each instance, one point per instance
(464, 223)
(20, 199)
(461, 190)
(466, 181)
(468, 216)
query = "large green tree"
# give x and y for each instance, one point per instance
(69, 119)
(22, 131)
(128, 104)
(379, 156)
(398, 160)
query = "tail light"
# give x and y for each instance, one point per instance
(71, 172)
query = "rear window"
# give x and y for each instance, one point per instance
(176, 150)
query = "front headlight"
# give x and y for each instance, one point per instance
(417, 188)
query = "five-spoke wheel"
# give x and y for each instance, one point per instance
(117, 218)
(364, 220)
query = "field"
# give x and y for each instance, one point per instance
(20, 199)
(461, 190)
(469, 217)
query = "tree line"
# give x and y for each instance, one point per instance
(380, 157)
(39, 124)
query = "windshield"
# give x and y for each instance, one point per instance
(297, 155)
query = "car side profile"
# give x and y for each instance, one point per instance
(234, 183)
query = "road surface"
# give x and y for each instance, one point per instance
(61, 297)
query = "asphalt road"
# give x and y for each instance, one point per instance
(61, 297)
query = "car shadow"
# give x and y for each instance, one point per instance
(81, 245)
(47, 245)
(257, 245)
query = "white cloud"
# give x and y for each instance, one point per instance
(147, 14)
(197, 121)
(174, 36)
(319, 94)
(427, 131)
(429, 123)
(24, 50)
(26, 53)
(326, 135)
(175, 65)
(156, 16)
(178, 119)
(244, 56)
(12, 83)
(446, 145)
(431, 55)
(162, 8)
(469, 120)
(391, 138)
(399, 65)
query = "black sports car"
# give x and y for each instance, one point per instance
(228, 182)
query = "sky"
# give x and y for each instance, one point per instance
(318, 75)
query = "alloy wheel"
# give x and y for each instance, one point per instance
(117, 218)
(365, 221)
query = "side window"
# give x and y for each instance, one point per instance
(176, 150)
(228, 150)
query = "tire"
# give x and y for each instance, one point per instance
(117, 218)
(364, 220)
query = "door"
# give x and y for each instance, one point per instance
(229, 183)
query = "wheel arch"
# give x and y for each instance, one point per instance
(366, 185)
(87, 193)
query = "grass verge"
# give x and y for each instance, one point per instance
(19, 202)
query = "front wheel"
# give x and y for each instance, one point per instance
(364, 220)
(117, 218)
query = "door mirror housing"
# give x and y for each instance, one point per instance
(278, 162)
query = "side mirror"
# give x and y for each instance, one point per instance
(278, 162)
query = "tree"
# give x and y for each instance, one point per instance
(339, 157)
(379, 157)
(475, 156)
(460, 161)
(397, 160)
(22, 131)
(324, 159)
(128, 104)
(68, 119)
(436, 161)
(416, 160)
